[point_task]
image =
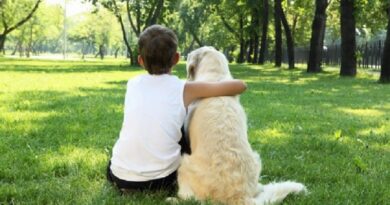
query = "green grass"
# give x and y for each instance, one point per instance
(59, 121)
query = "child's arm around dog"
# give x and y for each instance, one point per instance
(196, 90)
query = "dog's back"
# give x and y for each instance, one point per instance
(222, 165)
(219, 137)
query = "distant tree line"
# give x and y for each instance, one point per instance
(245, 30)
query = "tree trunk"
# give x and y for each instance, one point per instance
(21, 51)
(289, 38)
(278, 33)
(385, 68)
(255, 25)
(348, 38)
(124, 35)
(263, 46)
(317, 37)
(101, 51)
(116, 53)
(240, 58)
(294, 25)
(196, 38)
(157, 11)
(29, 44)
(249, 54)
(16, 48)
(256, 49)
(238, 33)
(2, 41)
(228, 53)
(83, 49)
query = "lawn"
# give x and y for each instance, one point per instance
(59, 121)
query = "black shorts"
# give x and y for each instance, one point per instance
(168, 183)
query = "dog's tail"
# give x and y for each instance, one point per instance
(275, 192)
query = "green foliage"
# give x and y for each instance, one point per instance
(12, 11)
(193, 14)
(370, 20)
(300, 14)
(98, 28)
(42, 30)
(60, 119)
(200, 20)
(225, 24)
(370, 17)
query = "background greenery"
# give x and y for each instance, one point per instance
(196, 22)
(60, 119)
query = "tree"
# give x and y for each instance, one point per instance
(371, 19)
(234, 17)
(253, 31)
(115, 9)
(289, 38)
(140, 14)
(278, 33)
(40, 33)
(118, 14)
(96, 30)
(193, 15)
(264, 34)
(300, 14)
(214, 33)
(317, 37)
(385, 68)
(11, 17)
(348, 38)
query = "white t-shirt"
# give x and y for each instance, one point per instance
(154, 113)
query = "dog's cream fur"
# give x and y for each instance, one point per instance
(222, 166)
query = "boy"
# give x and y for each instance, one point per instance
(147, 153)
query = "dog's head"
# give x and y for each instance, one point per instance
(207, 64)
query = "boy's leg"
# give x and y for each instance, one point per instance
(168, 183)
(108, 173)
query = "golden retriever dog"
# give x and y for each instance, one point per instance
(222, 167)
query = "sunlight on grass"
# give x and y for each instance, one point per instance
(61, 82)
(305, 80)
(69, 155)
(381, 130)
(271, 133)
(22, 118)
(363, 112)
(298, 81)
(259, 92)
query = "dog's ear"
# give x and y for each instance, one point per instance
(191, 72)
(191, 66)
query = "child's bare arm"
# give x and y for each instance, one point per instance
(195, 90)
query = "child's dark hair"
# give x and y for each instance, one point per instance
(157, 46)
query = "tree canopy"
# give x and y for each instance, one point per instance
(245, 30)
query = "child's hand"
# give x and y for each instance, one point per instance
(195, 90)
